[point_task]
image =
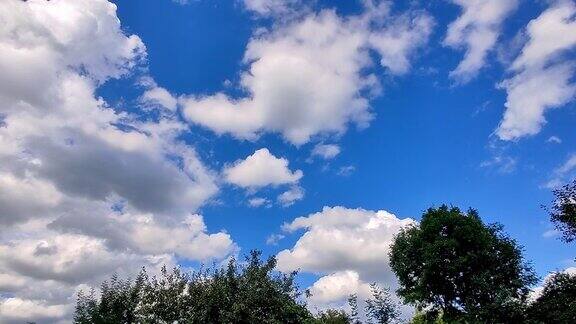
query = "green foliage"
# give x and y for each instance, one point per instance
(117, 302)
(557, 303)
(455, 265)
(253, 293)
(563, 211)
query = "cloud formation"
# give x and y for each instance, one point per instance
(326, 151)
(477, 30)
(347, 247)
(285, 79)
(87, 189)
(543, 72)
(261, 169)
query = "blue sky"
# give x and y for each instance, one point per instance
(207, 105)
(429, 143)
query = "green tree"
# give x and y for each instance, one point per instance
(563, 211)
(252, 293)
(557, 303)
(117, 302)
(454, 265)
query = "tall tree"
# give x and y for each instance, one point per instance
(454, 265)
(563, 211)
(557, 302)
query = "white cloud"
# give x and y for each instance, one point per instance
(271, 7)
(347, 247)
(338, 286)
(160, 96)
(326, 151)
(476, 29)
(554, 139)
(16, 310)
(562, 174)
(273, 239)
(86, 189)
(258, 201)
(288, 198)
(286, 78)
(261, 169)
(543, 76)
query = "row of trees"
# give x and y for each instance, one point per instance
(452, 267)
(249, 293)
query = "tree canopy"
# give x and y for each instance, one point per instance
(557, 301)
(252, 293)
(248, 293)
(563, 211)
(455, 265)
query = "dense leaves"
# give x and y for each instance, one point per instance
(253, 293)
(563, 211)
(455, 266)
(557, 303)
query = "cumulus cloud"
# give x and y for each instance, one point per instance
(286, 79)
(261, 169)
(338, 286)
(543, 73)
(477, 30)
(86, 189)
(347, 247)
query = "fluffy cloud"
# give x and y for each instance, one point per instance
(337, 287)
(543, 74)
(476, 29)
(261, 169)
(347, 247)
(286, 78)
(86, 189)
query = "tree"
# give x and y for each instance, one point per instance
(563, 211)
(117, 303)
(353, 303)
(557, 302)
(381, 309)
(455, 266)
(253, 293)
